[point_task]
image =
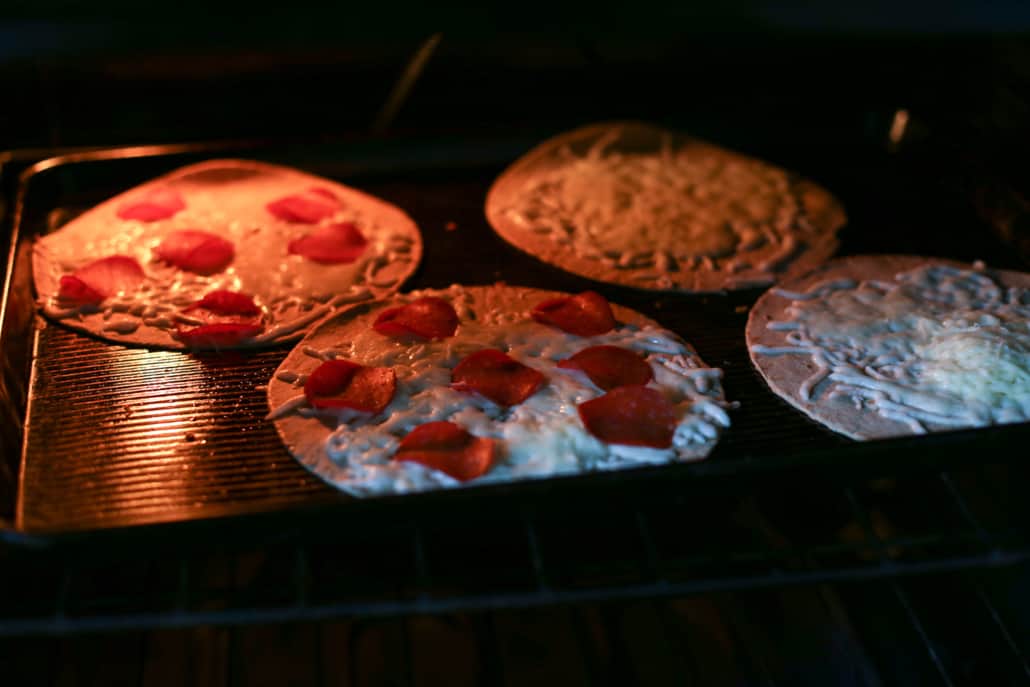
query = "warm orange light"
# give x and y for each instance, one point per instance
(898, 126)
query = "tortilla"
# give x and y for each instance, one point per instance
(541, 436)
(632, 204)
(890, 345)
(232, 200)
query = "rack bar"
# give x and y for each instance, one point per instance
(182, 585)
(963, 508)
(917, 624)
(652, 559)
(744, 636)
(63, 592)
(408, 651)
(301, 567)
(535, 557)
(434, 605)
(865, 521)
(488, 645)
(1010, 641)
(840, 617)
(421, 565)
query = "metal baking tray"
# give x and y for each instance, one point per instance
(129, 442)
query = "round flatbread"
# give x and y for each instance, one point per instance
(287, 247)
(536, 422)
(636, 205)
(886, 345)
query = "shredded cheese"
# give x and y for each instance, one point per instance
(664, 210)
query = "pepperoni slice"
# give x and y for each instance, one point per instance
(447, 447)
(497, 376)
(344, 384)
(308, 207)
(428, 317)
(226, 303)
(331, 244)
(218, 335)
(196, 251)
(158, 204)
(230, 318)
(73, 289)
(100, 279)
(610, 366)
(585, 314)
(633, 415)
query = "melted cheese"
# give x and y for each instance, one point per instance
(541, 436)
(673, 208)
(937, 347)
(987, 366)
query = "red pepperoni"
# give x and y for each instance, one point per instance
(343, 384)
(227, 303)
(447, 447)
(160, 203)
(497, 376)
(331, 244)
(218, 335)
(196, 251)
(585, 314)
(610, 366)
(73, 289)
(100, 279)
(633, 415)
(308, 207)
(428, 317)
(229, 318)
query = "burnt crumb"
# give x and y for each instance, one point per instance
(740, 309)
(190, 436)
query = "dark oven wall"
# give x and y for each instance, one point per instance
(119, 72)
(779, 82)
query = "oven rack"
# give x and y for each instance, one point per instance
(223, 458)
(784, 531)
(947, 629)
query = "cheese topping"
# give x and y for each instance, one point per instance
(674, 209)
(938, 347)
(541, 436)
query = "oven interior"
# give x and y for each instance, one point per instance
(791, 557)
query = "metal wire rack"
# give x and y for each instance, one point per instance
(779, 533)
